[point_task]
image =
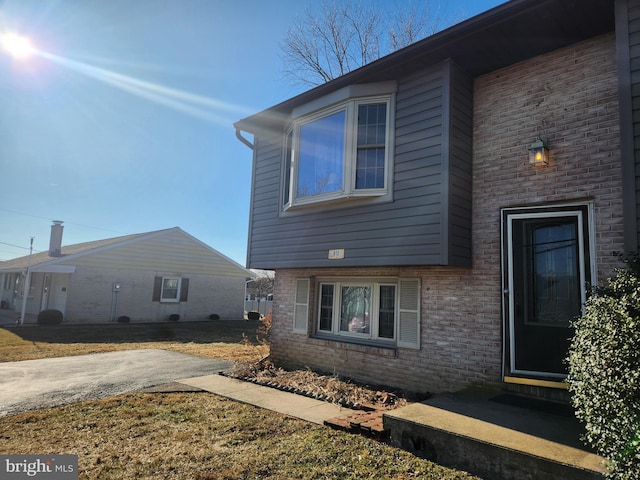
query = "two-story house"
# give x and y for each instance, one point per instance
(434, 218)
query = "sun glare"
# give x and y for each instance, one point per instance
(18, 46)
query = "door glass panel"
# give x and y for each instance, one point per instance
(552, 281)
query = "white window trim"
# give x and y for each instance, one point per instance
(348, 192)
(170, 300)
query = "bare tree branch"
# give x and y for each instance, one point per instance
(346, 34)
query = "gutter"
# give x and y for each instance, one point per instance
(243, 140)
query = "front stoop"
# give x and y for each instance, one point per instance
(493, 441)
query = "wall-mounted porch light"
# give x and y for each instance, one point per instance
(539, 153)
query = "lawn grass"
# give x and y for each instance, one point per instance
(195, 435)
(201, 436)
(235, 340)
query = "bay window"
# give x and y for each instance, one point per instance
(339, 152)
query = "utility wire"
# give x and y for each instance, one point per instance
(66, 222)
(12, 245)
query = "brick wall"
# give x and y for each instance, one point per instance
(570, 97)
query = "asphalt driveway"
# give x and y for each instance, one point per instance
(34, 384)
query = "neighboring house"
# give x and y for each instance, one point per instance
(147, 277)
(415, 242)
(259, 292)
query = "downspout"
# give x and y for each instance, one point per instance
(253, 149)
(244, 140)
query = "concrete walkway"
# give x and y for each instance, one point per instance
(292, 404)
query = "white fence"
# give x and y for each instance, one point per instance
(263, 306)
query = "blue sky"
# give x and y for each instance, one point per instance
(125, 124)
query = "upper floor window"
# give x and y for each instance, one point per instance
(339, 152)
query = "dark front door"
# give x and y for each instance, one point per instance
(547, 267)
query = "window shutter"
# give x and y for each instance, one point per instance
(184, 289)
(409, 313)
(301, 306)
(157, 289)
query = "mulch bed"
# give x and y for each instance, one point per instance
(369, 402)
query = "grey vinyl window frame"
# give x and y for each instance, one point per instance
(348, 192)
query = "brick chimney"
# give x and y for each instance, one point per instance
(55, 243)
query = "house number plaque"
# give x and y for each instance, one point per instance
(336, 254)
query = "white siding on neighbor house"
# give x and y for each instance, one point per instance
(169, 251)
(92, 300)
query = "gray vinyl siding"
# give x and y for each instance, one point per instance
(634, 40)
(413, 228)
(460, 160)
(628, 51)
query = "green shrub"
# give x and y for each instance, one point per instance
(124, 319)
(253, 315)
(214, 316)
(50, 317)
(604, 371)
(174, 317)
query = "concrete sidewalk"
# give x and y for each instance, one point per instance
(292, 404)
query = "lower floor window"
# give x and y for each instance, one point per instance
(365, 310)
(170, 290)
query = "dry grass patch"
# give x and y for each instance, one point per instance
(204, 437)
(195, 436)
(234, 340)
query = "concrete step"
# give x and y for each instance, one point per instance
(493, 439)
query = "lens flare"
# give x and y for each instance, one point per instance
(205, 108)
(18, 46)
